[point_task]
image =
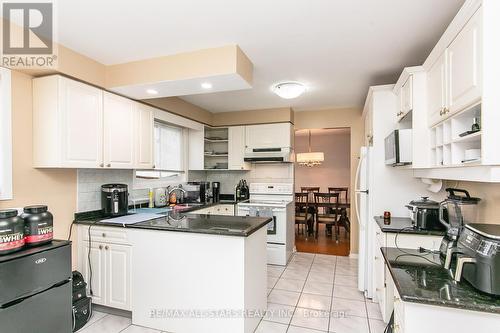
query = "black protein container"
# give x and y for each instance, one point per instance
(11, 231)
(38, 225)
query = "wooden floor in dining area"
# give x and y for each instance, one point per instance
(324, 244)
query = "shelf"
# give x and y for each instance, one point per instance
(469, 138)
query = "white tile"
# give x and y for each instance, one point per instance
(320, 277)
(348, 292)
(318, 288)
(296, 329)
(346, 270)
(373, 310)
(349, 307)
(139, 329)
(377, 326)
(96, 315)
(295, 274)
(346, 280)
(270, 327)
(316, 302)
(279, 313)
(291, 285)
(271, 281)
(308, 318)
(275, 271)
(349, 325)
(108, 324)
(283, 297)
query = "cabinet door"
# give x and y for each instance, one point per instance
(268, 136)
(144, 158)
(196, 160)
(464, 66)
(96, 268)
(406, 97)
(118, 132)
(81, 124)
(436, 90)
(118, 276)
(236, 149)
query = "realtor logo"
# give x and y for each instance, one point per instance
(28, 34)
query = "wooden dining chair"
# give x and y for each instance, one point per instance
(303, 213)
(328, 217)
(342, 212)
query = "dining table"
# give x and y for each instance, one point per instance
(343, 205)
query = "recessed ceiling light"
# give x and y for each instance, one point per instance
(289, 90)
(152, 92)
(206, 85)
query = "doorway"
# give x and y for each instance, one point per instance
(322, 215)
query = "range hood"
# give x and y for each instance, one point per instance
(268, 155)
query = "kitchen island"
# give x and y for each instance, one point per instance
(180, 272)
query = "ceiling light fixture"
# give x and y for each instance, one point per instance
(206, 85)
(310, 159)
(152, 91)
(289, 90)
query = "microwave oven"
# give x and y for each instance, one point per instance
(398, 147)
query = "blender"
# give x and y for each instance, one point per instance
(460, 209)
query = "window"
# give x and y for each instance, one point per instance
(169, 154)
(5, 136)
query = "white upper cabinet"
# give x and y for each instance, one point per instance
(236, 149)
(76, 125)
(406, 97)
(67, 123)
(144, 138)
(464, 66)
(119, 143)
(269, 136)
(436, 90)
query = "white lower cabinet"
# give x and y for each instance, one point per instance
(108, 265)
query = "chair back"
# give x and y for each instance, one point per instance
(342, 191)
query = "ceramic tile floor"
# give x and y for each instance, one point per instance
(315, 293)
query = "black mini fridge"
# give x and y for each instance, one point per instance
(35, 290)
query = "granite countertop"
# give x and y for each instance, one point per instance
(404, 225)
(183, 220)
(426, 281)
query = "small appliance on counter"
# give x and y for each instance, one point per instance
(114, 199)
(38, 225)
(424, 214)
(461, 209)
(478, 261)
(198, 192)
(216, 191)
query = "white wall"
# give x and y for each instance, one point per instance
(335, 170)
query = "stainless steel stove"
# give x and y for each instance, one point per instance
(276, 200)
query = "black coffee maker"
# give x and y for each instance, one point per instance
(114, 199)
(454, 212)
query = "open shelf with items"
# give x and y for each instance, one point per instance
(216, 148)
(457, 140)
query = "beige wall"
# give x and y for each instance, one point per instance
(335, 171)
(334, 118)
(53, 187)
(276, 115)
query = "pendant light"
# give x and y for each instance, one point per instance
(310, 159)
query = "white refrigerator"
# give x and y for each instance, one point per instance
(364, 214)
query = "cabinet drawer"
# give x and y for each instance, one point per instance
(105, 234)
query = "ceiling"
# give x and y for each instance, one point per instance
(337, 47)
